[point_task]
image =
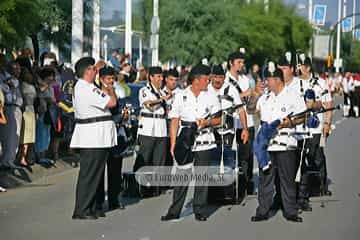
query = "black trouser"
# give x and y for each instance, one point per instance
(323, 168)
(311, 155)
(284, 164)
(245, 153)
(152, 152)
(201, 158)
(357, 97)
(92, 165)
(114, 167)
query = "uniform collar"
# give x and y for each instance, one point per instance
(167, 91)
(211, 88)
(152, 86)
(188, 91)
(283, 91)
(228, 75)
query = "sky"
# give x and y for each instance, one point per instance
(332, 7)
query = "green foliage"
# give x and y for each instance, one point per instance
(22, 18)
(18, 18)
(350, 51)
(192, 29)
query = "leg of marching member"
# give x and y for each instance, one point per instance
(287, 172)
(159, 158)
(201, 160)
(243, 153)
(92, 165)
(303, 191)
(114, 167)
(145, 154)
(179, 196)
(266, 190)
(323, 171)
(250, 170)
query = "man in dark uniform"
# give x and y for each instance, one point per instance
(115, 159)
(194, 106)
(152, 129)
(276, 106)
(236, 78)
(94, 135)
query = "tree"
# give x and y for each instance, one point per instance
(20, 19)
(193, 29)
(350, 52)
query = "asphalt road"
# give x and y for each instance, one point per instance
(43, 209)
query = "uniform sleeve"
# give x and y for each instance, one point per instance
(98, 98)
(176, 107)
(144, 95)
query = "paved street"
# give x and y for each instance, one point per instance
(43, 209)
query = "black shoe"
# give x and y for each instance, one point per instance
(327, 193)
(84, 217)
(305, 207)
(294, 218)
(250, 188)
(169, 217)
(114, 206)
(200, 217)
(100, 214)
(259, 218)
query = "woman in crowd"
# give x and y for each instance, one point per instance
(27, 136)
(2, 122)
(46, 96)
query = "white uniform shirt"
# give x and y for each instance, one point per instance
(233, 93)
(89, 102)
(149, 126)
(190, 108)
(170, 101)
(244, 84)
(274, 107)
(322, 93)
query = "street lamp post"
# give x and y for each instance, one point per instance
(77, 35)
(310, 11)
(338, 35)
(155, 24)
(128, 31)
(96, 30)
(105, 47)
(354, 18)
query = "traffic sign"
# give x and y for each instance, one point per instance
(357, 34)
(347, 24)
(319, 15)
